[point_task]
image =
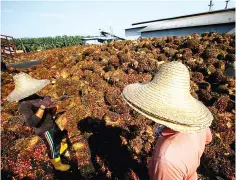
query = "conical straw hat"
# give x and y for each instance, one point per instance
(167, 100)
(25, 86)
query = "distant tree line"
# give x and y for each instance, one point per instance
(44, 43)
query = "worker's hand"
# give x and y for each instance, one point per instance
(47, 101)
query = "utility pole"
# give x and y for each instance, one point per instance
(210, 5)
(111, 29)
(227, 1)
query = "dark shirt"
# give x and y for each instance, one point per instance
(28, 110)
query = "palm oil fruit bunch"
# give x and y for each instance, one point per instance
(102, 129)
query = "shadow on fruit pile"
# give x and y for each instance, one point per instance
(110, 157)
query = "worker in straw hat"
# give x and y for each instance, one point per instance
(182, 122)
(37, 113)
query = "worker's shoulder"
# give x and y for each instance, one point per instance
(23, 105)
(184, 138)
(180, 144)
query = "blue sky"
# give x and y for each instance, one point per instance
(52, 18)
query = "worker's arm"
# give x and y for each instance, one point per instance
(40, 111)
(26, 110)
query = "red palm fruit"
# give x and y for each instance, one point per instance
(222, 103)
(196, 76)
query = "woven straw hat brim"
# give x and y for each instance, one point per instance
(181, 112)
(17, 94)
(176, 127)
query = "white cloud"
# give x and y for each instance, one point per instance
(54, 15)
(7, 10)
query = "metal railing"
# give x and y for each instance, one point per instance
(8, 46)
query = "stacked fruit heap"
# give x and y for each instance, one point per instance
(102, 129)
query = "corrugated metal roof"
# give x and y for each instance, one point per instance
(189, 15)
(192, 21)
(133, 27)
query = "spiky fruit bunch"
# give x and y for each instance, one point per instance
(107, 139)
